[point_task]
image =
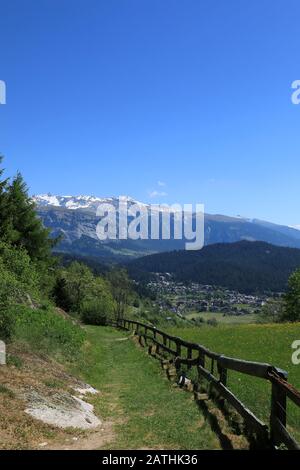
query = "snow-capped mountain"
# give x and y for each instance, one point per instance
(74, 217)
(79, 202)
(90, 203)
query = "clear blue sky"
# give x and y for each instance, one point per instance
(111, 97)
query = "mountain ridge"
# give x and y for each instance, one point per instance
(75, 218)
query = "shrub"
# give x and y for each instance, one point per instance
(271, 312)
(7, 325)
(19, 278)
(292, 299)
(78, 290)
(212, 322)
(95, 312)
(19, 284)
(77, 282)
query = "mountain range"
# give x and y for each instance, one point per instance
(74, 217)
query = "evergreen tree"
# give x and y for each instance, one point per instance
(26, 228)
(61, 295)
(5, 221)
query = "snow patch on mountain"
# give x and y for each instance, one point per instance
(90, 203)
(74, 202)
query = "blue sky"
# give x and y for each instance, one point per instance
(167, 101)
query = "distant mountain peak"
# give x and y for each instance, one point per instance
(85, 201)
(77, 202)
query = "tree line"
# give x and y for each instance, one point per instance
(31, 276)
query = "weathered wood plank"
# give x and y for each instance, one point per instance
(285, 437)
(291, 392)
(257, 369)
(188, 362)
(161, 345)
(251, 420)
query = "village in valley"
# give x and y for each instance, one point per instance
(193, 301)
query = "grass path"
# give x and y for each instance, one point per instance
(147, 411)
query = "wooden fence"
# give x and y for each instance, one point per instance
(213, 368)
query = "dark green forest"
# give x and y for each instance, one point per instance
(244, 266)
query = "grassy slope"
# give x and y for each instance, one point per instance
(264, 343)
(27, 370)
(135, 394)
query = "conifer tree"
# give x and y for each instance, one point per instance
(26, 228)
(5, 221)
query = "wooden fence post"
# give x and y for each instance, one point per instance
(278, 408)
(178, 348)
(178, 354)
(223, 380)
(189, 356)
(223, 375)
(201, 361)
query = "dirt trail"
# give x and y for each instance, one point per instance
(94, 440)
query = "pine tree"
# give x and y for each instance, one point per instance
(61, 295)
(27, 229)
(5, 220)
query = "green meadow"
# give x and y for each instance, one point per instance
(223, 319)
(269, 343)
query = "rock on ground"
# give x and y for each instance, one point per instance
(62, 410)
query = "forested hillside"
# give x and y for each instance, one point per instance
(243, 266)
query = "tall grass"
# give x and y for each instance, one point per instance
(48, 332)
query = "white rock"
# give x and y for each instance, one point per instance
(62, 410)
(86, 388)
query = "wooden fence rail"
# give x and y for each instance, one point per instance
(195, 355)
